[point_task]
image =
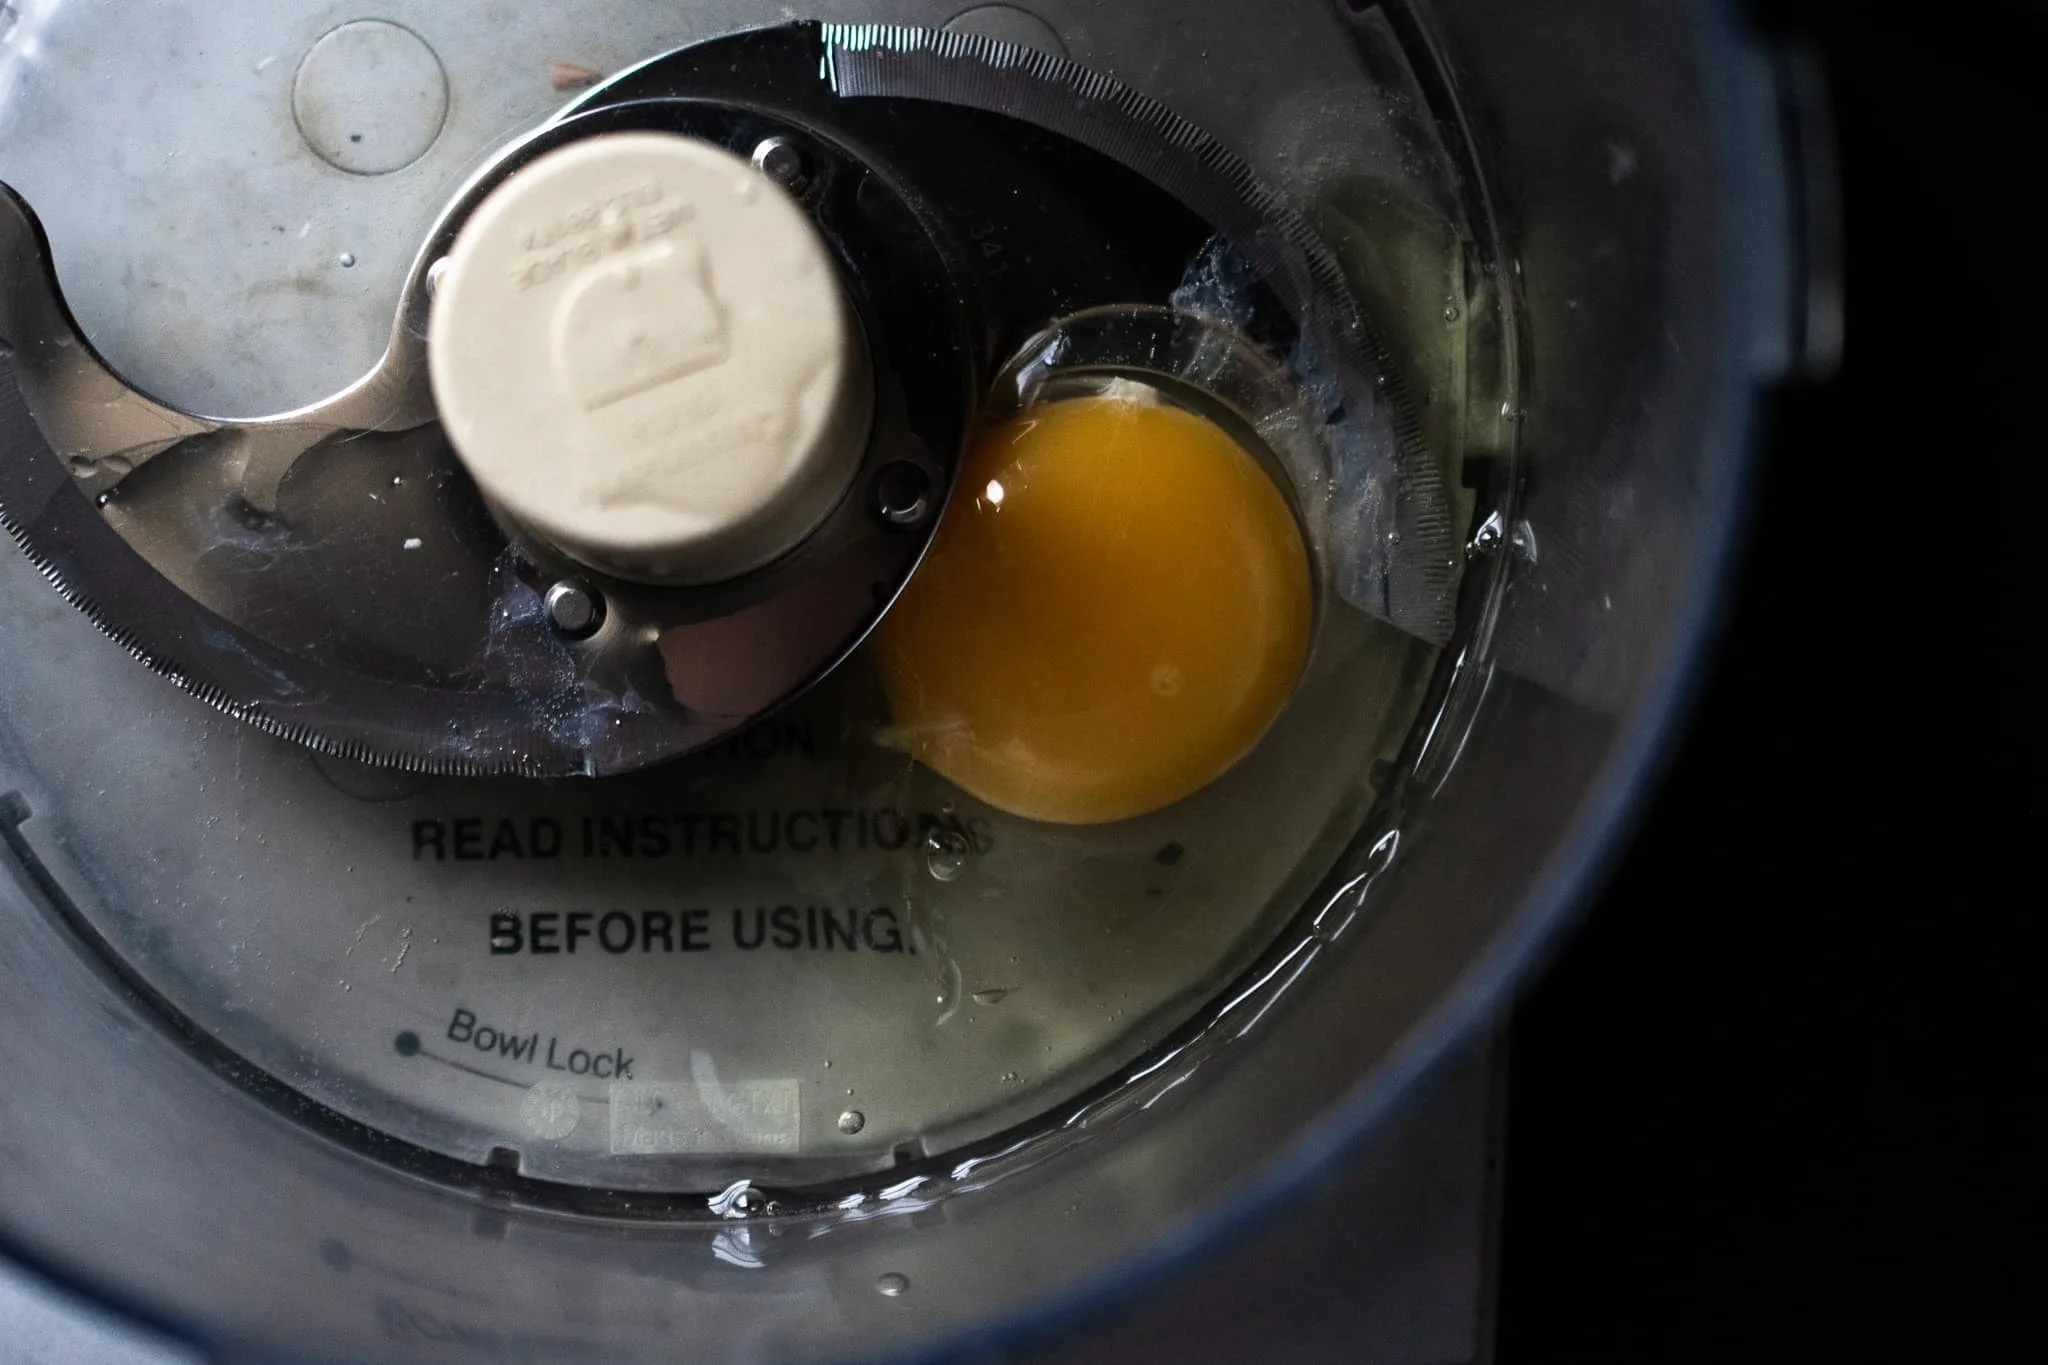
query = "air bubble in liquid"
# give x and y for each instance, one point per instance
(852, 1121)
(945, 854)
(892, 1285)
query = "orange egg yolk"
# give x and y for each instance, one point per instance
(1113, 612)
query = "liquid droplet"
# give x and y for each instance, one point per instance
(348, 260)
(738, 1200)
(1488, 537)
(945, 854)
(1381, 855)
(892, 1285)
(852, 1121)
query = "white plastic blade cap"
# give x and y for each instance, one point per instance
(641, 351)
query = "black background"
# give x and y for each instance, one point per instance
(1781, 1096)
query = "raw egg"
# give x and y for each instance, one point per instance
(1114, 610)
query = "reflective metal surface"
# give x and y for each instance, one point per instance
(400, 633)
(368, 604)
(426, 659)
